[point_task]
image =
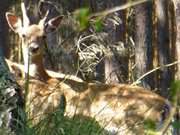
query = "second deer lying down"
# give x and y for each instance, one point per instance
(121, 107)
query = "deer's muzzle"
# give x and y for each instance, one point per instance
(34, 48)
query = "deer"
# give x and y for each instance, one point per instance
(121, 109)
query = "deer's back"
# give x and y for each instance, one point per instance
(117, 106)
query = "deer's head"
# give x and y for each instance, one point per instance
(32, 34)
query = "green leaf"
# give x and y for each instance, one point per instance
(149, 125)
(176, 125)
(98, 25)
(82, 16)
(175, 90)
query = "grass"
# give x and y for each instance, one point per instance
(56, 124)
(77, 125)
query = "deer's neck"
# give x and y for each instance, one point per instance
(37, 69)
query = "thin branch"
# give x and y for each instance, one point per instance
(118, 8)
(153, 70)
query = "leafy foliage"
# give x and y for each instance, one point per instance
(175, 96)
(175, 91)
(176, 125)
(10, 101)
(98, 25)
(82, 16)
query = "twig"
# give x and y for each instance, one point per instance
(153, 70)
(118, 8)
(81, 39)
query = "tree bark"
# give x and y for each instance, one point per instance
(163, 45)
(4, 46)
(143, 42)
(113, 65)
(177, 10)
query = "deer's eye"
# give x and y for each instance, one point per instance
(23, 35)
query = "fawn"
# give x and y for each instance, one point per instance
(119, 107)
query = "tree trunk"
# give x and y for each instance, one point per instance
(163, 45)
(114, 65)
(177, 8)
(143, 42)
(4, 46)
(111, 69)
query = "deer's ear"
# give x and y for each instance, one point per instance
(53, 24)
(14, 22)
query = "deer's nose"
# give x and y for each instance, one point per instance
(33, 48)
